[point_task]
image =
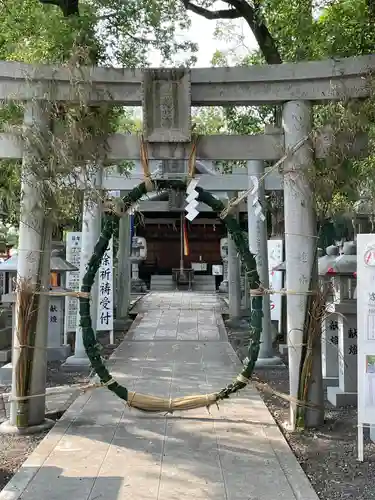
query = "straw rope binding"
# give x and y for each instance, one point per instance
(236, 201)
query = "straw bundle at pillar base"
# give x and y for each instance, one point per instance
(27, 314)
(316, 312)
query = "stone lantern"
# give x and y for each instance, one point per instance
(138, 254)
(224, 255)
(325, 269)
(325, 262)
(56, 351)
(343, 273)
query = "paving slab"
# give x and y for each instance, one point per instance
(100, 449)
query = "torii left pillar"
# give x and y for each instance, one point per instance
(91, 226)
(35, 238)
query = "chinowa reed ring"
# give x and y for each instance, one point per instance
(149, 403)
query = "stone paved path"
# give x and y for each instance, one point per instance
(101, 450)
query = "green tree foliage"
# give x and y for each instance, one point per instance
(31, 32)
(209, 121)
(304, 30)
(118, 32)
(106, 31)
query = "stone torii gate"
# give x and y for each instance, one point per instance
(167, 96)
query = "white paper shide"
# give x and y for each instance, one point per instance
(275, 258)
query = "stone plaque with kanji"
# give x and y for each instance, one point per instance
(166, 105)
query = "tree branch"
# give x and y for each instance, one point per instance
(211, 14)
(68, 7)
(371, 9)
(261, 33)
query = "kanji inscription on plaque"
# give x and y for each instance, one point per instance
(166, 105)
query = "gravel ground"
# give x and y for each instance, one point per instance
(14, 450)
(328, 455)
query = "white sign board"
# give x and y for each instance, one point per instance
(217, 270)
(366, 333)
(275, 257)
(73, 255)
(114, 194)
(105, 282)
(199, 266)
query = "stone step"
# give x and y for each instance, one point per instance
(204, 283)
(161, 283)
(201, 283)
(162, 288)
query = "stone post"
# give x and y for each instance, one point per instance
(135, 271)
(35, 239)
(223, 288)
(234, 279)
(330, 340)
(225, 269)
(124, 268)
(330, 363)
(346, 392)
(257, 230)
(300, 243)
(91, 226)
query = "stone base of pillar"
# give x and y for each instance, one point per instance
(338, 398)
(283, 349)
(76, 364)
(224, 287)
(121, 324)
(330, 382)
(58, 353)
(7, 428)
(269, 362)
(138, 286)
(237, 324)
(6, 374)
(5, 355)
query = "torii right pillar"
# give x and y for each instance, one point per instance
(300, 249)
